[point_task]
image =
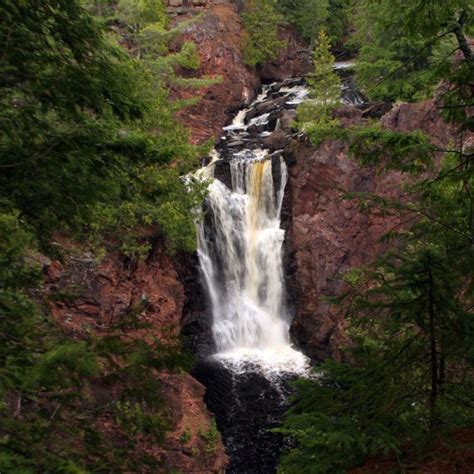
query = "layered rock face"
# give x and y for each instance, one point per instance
(329, 235)
(97, 295)
(218, 36)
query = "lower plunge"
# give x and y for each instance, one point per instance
(247, 406)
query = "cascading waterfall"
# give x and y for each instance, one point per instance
(242, 266)
(241, 250)
(240, 247)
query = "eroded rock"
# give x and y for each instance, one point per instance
(87, 296)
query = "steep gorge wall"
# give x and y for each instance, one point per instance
(219, 36)
(328, 235)
(91, 297)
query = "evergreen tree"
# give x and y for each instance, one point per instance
(411, 322)
(88, 147)
(311, 16)
(261, 20)
(314, 116)
(408, 66)
(410, 373)
(308, 16)
(150, 34)
(338, 21)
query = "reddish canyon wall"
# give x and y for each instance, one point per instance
(329, 235)
(87, 297)
(95, 295)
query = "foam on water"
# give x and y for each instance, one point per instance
(272, 363)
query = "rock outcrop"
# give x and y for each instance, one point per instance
(293, 61)
(181, 7)
(328, 234)
(219, 36)
(86, 297)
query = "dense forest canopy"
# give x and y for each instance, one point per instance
(90, 150)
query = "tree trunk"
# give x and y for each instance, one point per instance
(442, 372)
(461, 37)
(433, 354)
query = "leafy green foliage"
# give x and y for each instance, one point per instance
(83, 126)
(261, 20)
(308, 16)
(314, 116)
(311, 16)
(457, 97)
(410, 369)
(149, 32)
(134, 420)
(399, 390)
(349, 423)
(64, 365)
(17, 311)
(210, 436)
(139, 14)
(431, 17)
(408, 152)
(338, 21)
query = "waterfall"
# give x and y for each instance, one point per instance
(240, 247)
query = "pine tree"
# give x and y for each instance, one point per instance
(261, 20)
(308, 16)
(408, 66)
(314, 116)
(409, 372)
(87, 139)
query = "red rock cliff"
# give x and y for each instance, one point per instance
(329, 235)
(95, 296)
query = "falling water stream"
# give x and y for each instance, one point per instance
(242, 266)
(240, 248)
